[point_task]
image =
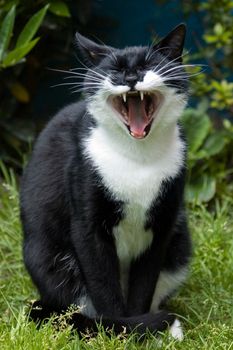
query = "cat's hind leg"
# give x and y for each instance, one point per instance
(55, 272)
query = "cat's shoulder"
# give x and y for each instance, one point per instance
(69, 117)
(66, 125)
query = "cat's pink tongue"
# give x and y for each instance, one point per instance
(138, 119)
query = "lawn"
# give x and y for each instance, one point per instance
(205, 303)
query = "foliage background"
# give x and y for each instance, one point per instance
(35, 35)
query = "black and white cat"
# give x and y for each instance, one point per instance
(102, 196)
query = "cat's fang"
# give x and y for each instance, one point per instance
(141, 95)
(124, 97)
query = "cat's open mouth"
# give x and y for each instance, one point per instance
(137, 110)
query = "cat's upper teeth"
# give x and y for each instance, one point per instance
(133, 93)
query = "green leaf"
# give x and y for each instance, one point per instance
(17, 54)
(197, 126)
(8, 5)
(31, 27)
(59, 8)
(214, 144)
(218, 29)
(201, 190)
(6, 31)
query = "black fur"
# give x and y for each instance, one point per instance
(68, 214)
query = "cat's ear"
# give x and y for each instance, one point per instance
(91, 52)
(172, 45)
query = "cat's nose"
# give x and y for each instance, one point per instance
(131, 80)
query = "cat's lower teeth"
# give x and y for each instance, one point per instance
(124, 115)
(151, 110)
(138, 136)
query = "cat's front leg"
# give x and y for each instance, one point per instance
(144, 273)
(145, 270)
(99, 264)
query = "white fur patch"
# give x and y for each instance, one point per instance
(167, 283)
(176, 330)
(130, 235)
(86, 306)
(114, 89)
(133, 171)
(150, 81)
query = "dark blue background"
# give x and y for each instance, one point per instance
(137, 21)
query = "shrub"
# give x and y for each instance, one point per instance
(209, 126)
(22, 25)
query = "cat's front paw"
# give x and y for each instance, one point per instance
(176, 331)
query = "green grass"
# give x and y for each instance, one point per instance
(205, 303)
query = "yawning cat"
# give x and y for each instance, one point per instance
(102, 196)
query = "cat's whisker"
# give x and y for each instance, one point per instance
(165, 57)
(83, 74)
(89, 73)
(180, 67)
(168, 77)
(174, 86)
(87, 80)
(89, 69)
(150, 49)
(161, 62)
(76, 84)
(180, 76)
(88, 76)
(95, 72)
(171, 61)
(81, 89)
(157, 50)
(85, 69)
(75, 75)
(81, 83)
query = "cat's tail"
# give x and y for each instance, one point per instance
(139, 324)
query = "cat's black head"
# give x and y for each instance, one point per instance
(136, 86)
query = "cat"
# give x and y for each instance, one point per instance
(102, 197)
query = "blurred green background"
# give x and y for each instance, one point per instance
(37, 35)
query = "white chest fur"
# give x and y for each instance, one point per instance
(133, 171)
(130, 236)
(131, 239)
